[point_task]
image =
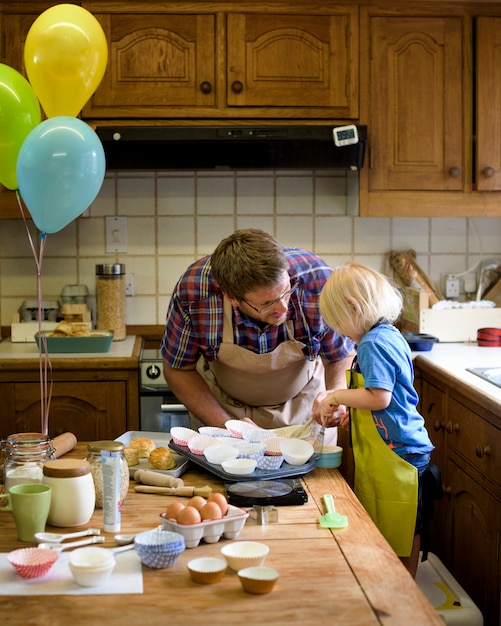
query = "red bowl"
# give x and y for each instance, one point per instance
(489, 337)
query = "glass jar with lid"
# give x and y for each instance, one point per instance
(26, 454)
(96, 467)
(110, 299)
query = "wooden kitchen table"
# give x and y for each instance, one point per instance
(349, 576)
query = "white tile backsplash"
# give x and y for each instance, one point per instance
(175, 218)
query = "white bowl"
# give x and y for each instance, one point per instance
(239, 467)
(242, 554)
(91, 567)
(296, 451)
(219, 453)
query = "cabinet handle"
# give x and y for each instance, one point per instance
(488, 172)
(448, 490)
(205, 87)
(237, 86)
(481, 450)
(437, 425)
(452, 428)
(455, 172)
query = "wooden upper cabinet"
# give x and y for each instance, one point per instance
(293, 61)
(488, 106)
(211, 65)
(157, 61)
(416, 110)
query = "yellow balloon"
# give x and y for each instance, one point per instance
(65, 55)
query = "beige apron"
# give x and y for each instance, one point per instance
(385, 484)
(273, 389)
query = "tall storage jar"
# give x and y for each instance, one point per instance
(73, 494)
(26, 454)
(110, 299)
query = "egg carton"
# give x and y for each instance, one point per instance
(210, 531)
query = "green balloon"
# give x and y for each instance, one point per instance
(19, 114)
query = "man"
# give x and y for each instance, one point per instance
(244, 338)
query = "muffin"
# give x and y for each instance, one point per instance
(131, 456)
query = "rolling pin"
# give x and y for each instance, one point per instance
(147, 477)
(186, 491)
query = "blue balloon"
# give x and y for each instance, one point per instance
(60, 170)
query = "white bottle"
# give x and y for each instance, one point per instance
(73, 494)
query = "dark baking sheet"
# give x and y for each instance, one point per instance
(284, 471)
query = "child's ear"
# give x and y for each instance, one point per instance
(353, 304)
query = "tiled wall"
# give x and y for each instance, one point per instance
(175, 218)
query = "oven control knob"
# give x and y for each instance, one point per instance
(153, 371)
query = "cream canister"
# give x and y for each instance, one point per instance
(73, 492)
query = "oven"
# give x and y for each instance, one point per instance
(159, 409)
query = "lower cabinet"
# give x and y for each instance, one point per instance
(466, 529)
(92, 398)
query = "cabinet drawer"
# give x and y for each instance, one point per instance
(474, 439)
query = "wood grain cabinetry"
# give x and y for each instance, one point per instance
(95, 398)
(211, 62)
(466, 532)
(434, 114)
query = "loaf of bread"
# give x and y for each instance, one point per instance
(161, 459)
(143, 445)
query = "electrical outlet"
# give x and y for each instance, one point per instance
(129, 284)
(452, 286)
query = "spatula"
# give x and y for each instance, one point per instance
(331, 519)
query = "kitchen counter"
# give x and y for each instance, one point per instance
(118, 350)
(448, 362)
(349, 576)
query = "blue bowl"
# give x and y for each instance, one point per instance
(330, 457)
(420, 342)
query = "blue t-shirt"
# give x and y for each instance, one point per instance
(385, 362)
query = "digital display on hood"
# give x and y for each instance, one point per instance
(229, 148)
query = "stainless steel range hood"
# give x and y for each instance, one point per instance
(229, 148)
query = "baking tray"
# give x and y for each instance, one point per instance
(160, 439)
(97, 341)
(284, 471)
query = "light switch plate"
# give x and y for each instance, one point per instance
(116, 234)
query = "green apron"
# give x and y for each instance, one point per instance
(385, 484)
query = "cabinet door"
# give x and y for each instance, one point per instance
(91, 410)
(293, 61)
(157, 61)
(416, 110)
(474, 521)
(488, 110)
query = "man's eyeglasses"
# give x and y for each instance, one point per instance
(270, 305)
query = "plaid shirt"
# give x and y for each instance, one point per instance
(194, 323)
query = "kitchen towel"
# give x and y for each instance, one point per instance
(127, 577)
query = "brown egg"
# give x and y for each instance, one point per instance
(197, 501)
(173, 510)
(220, 500)
(211, 511)
(189, 515)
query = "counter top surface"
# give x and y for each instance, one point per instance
(349, 576)
(453, 358)
(118, 349)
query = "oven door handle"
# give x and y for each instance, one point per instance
(175, 408)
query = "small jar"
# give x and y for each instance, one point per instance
(26, 455)
(110, 299)
(73, 494)
(96, 467)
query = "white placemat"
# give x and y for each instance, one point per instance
(127, 577)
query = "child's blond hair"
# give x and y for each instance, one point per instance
(355, 297)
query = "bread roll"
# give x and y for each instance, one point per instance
(143, 445)
(161, 458)
(131, 456)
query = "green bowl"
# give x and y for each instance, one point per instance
(330, 457)
(97, 341)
